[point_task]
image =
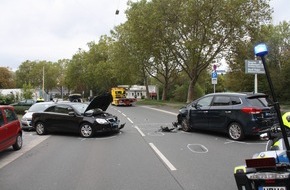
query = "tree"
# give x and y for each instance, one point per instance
(92, 69)
(198, 32)
(61, 66)
(27, 91)
(146, 23)
(236, 78)
(38, 73)
(125, 58)
(24, 74)
(277, 39)
(6, 78)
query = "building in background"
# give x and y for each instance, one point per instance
(139, 92)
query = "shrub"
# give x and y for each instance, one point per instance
(20, 110)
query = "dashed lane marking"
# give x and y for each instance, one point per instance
(139, 130)
(162, 157)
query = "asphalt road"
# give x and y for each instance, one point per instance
(139, 157)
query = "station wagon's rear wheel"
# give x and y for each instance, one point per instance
(235, 131)
(40, 129)
(18, 143)
(86, 130)
(185, 125)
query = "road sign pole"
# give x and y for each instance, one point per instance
(214, 76)
(256, 83)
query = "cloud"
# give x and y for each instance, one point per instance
(281, 11)
(53, 29)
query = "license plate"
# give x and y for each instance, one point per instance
(272, 188)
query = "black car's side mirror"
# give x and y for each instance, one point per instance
(196, 105)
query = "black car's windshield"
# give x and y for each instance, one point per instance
(80, 107)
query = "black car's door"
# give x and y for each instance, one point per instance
(59, 119)
(219, 113)
(199, 113)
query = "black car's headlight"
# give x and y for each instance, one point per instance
(102, 121)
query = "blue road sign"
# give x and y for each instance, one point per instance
(214, 75)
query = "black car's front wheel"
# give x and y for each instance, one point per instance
(86, 130)
(40, 129)
(185, 125)
(235, 131)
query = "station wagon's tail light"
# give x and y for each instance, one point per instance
(251, 110)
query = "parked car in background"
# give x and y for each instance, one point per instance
(27, 117)
(75, 98)
(26, 102)
(77, 117)
(237, 114)
(10, 130)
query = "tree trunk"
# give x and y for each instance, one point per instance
(164, 93)
(165, 89)
(147, 88)
(190, 90)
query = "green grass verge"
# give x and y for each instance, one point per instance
(160, 103)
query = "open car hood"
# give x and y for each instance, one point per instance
(101, 102)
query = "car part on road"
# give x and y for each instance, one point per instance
(175, 128)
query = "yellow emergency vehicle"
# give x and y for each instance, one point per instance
(119, 97)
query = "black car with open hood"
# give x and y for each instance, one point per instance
(77, 117)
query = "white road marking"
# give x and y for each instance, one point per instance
(130, 120)
(200, 146)
(11, 157)
(240, 142)
(139, 130)
(161, 110)
(162, 157)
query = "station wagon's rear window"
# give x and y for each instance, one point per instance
(260, 102)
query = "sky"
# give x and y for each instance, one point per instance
(50, 30)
